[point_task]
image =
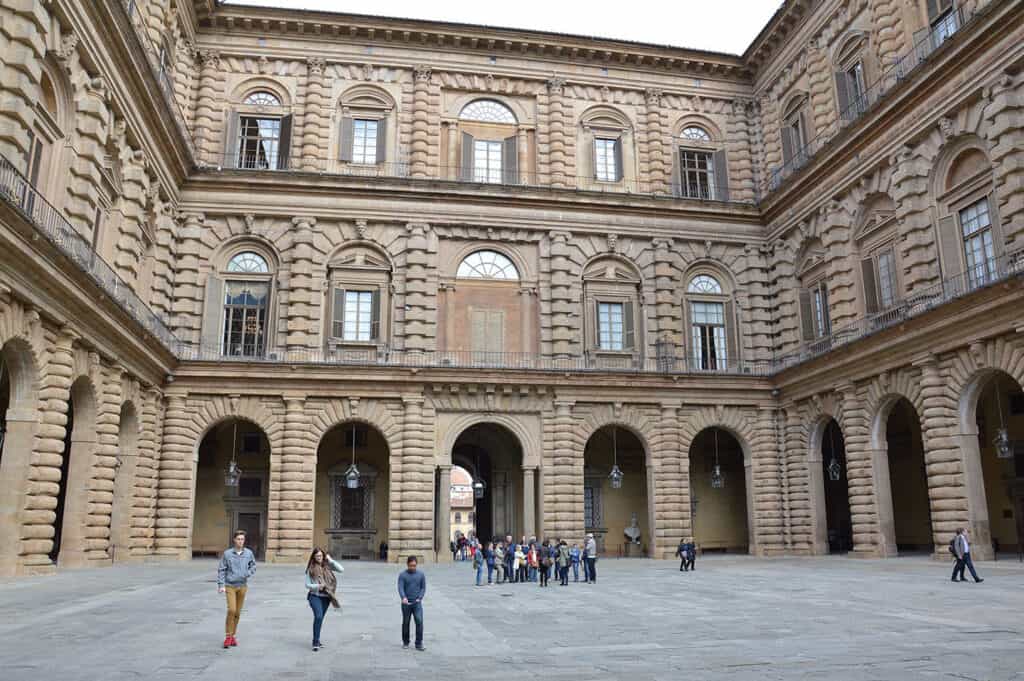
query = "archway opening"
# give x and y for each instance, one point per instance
(220, 508)
(908, 477)
(124, 484)
(463, 505)
(72, 509)
(493, 456)
(5, 404)
(618, 517)
(351, 522)
(19, 418)
(838, 519)
(1001, 410)
(718, 500)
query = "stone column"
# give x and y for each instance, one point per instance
(918, 251)
(666, 307)
(564, 326)
(185, 246)
(301, 295)
(806, 493)
(146, 473)
(184, 80)
(315, 130)
(176, 488)
(413, 503)
(98, 537)
(529, 502)
(82, 179)
(771, 125)
(655, 148)
(836, 237)
(879, 459)
(452, 153)
(526, 175)
(557, 132)
(420, 122)
(668, 486)
(208, 117)
(741, 145)
(420, 289)
(444, 513)
(292, 488)
(819, 78)
(863, 473)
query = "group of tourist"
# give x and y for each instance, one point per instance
(533, 561)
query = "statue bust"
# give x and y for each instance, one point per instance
(632, 532)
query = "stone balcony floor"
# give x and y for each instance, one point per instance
(735, 617)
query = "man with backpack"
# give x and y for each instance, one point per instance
(960, 547)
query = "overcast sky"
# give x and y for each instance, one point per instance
(720, 25)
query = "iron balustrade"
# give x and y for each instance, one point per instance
(17, 191)
(926, 42)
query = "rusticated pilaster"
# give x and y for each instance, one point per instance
(23, 46)
(740, 145)
(176, 484)
(563, 475)
(315, 132)
(420, 152)
(420, 288)
(837, 237)
(412, 506)
(919, 255)
(93, 122)
(669, 486)
(667, 309)
(300, 320)
(558, 134)
(563, 306)
(819, 78)
(208, 115)
(1005, 117)
(292, 487)
(656, 152)
(769, 521)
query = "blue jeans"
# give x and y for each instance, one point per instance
(532, 575)
(479, 573)
(490, 573)
(958, 569)
(319, 604)
(575, 572)
(414, 611)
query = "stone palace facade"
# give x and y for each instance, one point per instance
(770, 301)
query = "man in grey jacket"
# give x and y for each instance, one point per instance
(962, 551)
(237, 565)
(412, 587)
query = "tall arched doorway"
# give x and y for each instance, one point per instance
(352, 511)
(1000, 409)
(72, 511)
(719, 513)
(19, 417)
(617, 516)
(463, 503)
(908, 478)
(124, 484)
(837, 520)
(220, 508)
(494, 457)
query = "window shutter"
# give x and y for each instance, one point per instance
(36, 152)
(375, 315)
(867, 271)
(688, 331)
(478, 330)
(732, 333)
(677, 180)
(346, 139)
(934, 9)
(597, 324)
(231, 142)
(593, 157)
(998, 244)
(843, 94)
(338, 314)
(804, 134)
(721, 176)
(787, 144)
(495, 331)
(951, 246)
(382, 137)
(826, 321)
(509, 161)
(806, 315)
(619, 172)
(467, 157)
(284, 149)
(213, 310)
(628, 327)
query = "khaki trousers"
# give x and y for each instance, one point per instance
(236, 598)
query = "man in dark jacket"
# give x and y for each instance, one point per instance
(412, 587)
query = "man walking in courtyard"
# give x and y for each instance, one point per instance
(412, 587)
(590, 549)
(237, 565)
(962, 551)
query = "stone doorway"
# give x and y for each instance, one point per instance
(720, 514)
(619, 518)
(838, 518)
(908, 477)
(492, 455)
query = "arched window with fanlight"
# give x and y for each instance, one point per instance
(259, 133)
(237, 311)
(711, 324)
(485, 310)
(699, 168)
(488, 141)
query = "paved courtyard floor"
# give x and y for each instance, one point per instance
(735, 617)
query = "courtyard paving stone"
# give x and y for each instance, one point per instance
(735, 617)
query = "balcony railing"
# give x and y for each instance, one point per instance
(926, 42)
(983, 275)
(50, 223)
(442, 173)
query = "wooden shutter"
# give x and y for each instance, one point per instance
(338, 314)
(628, 326)
(826, 321)
(466, 172)
(732, 332)
(951, 246)
(509, 161)
(231, 141)
(213, 311)
(346, 138)
(375, 315)
(597, 324)
(998, 244)
(937, 8)
(805, 134)
(284, 147)
(35, 150)
(495, 331)
(787, 143)
(593, 157)
(618, 160)
(843, 93)
(721, 176)
(677, 176)
(806, 315)
(382, 136)
(867, 271)
(687, 329)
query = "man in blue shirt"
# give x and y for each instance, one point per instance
(412, 587)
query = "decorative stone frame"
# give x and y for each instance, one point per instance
(359, 266)
(236, 108)
(213, 305)
(612, 279)
(875, 232)
(714, 146)
(366, 102)
(733, 337)
(812, 272)
(605, 122)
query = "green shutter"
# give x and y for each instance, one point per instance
(284, 147)
(867, 272)
(951, 246)
(806, 315)
(721, 176)
(617, 146)
(509, 161)
(732, 331)
(346, 138)
(629, 331)
(466, 171)
(338, 314)
(382, 144)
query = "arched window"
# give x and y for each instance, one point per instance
(487, 265)
(794, 131)
(851, 86)
(236, 318)
(263, 98)
(359, 296)
(259, 139)
(970, 236)
(699, 168)
(711, 324)
(488, 143)
(613, 318)
(487, 111)
(365, 114)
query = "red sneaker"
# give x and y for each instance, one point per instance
(234, 642)
(227, 641)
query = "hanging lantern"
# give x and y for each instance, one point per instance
(479, 487)
(233, 473)
(352, 473)
(717, 479)
(835, 469)
(1002, 443)
(616, 475)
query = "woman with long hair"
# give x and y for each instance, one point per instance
(321, 585)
